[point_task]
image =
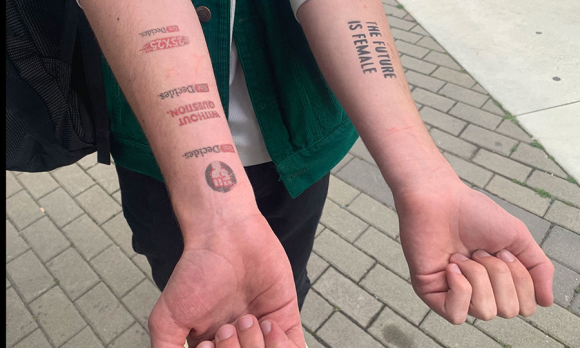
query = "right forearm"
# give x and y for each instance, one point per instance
(167, 77)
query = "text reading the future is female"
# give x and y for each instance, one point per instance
(371, 49)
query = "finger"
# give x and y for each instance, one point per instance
(226, 337)
(274, 336)
(482, 299)
(523, 283)
(529, 253)
(504, 290)
(205, 344)
(249, 332)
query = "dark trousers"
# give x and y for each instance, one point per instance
(157, 235)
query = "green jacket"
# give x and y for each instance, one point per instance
(305, 129)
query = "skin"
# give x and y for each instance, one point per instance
(232, 262)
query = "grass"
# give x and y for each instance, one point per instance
(506, 114)
(577, 290)
(552, 158)
(400, 7)
(519, 182)
(571, 180)
(56, 281)
(543, 193)
(514, 148)
(537, 145)
(72, 244)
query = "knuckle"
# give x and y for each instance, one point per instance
(528, 311)
(509, 312)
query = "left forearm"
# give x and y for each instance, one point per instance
(355, 50)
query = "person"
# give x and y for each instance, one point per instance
(227, 221)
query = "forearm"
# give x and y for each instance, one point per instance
(355, 50)
(171, 88)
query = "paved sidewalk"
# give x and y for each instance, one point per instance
(73, 279)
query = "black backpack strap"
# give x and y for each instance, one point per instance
(92, 66)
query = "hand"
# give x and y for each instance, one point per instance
(448, 234)
(226, 270)
(248, 333)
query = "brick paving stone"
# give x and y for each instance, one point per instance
(390, 2)
(57, 316)
(442, 59)
(433, 100)
(341, 221)
(460, 336)
(387, 251)
(342, 255)
(424, 81)
(565, 281)
(73, 179)
(117, 270)
(117, 197)
(15, 245)
(376, 214)
(443, 121)
(74, 275)
(419, 30)
(61, 207)
(311, 341)
(563, 245)
(347, 296)
(360, 150)
(559, 323)
(340, 332)
(463, 95)
(510, 129)
(575, 306)
(564, 215)
(452, 144)
(87, 237)
(45, 238)
(479, 89)
(491, 107)
(98, 204)
(12, 185)
(394, 331)
(22, 210)
(29, 276)
(315, 267)
(19, 322)
(557, 187)
(475, 116)
(394, 11)
(468, 171)
(141, 300)
(88, 161)
(340, 192)
(396, 293)
(502, 165)
(7, 283)
(517, 333)
(315, 311)
(518, 195)
(453, 76)
(342, 163)
(118, 229)
(104, 312)
(423, 67)
(488, 139)
(431, 44)
(395, 22)
(37, 184)
(368, 179)
(403, 45)
(143, 264)
(536, 225)
(85, 339)
(36, 339)
(106, 176)
(134, 337)
(537, 158)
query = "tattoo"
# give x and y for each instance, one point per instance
(194, 117)
(176, 92)
(369, 52)
(209, 149)
(220, 177)
(165, 43)
(168, 29)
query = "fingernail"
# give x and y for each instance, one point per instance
(506, 256)
(455, 268)
(266, 327)
(245, 322)
(460, 257)
(224, 333)
(481, 253)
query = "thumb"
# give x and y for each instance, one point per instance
(164, 331)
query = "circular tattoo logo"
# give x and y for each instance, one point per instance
(220, 177)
